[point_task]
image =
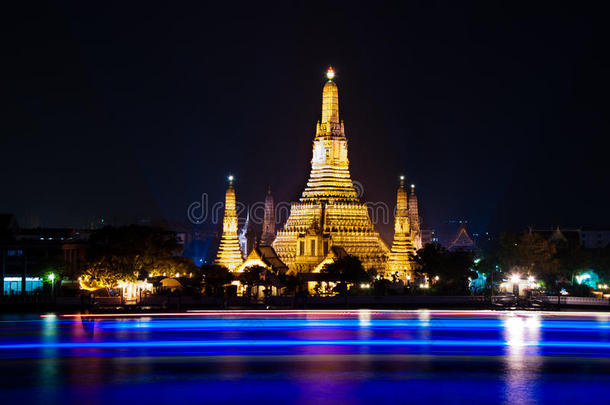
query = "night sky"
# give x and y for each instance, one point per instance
(498, 112)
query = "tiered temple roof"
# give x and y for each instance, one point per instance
(400, 262)
(229, 253)
(329, 212)
(414, 219)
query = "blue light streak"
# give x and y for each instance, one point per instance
(452, 356)
(277, 343)
(242, 324)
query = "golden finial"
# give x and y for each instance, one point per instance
(230, 180)
(330, 73)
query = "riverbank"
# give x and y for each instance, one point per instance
(184, 303)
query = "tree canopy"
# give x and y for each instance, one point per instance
(215, 278)
(346, 270)
(123, 253)
(451, 267)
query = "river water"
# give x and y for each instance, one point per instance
(320, 357)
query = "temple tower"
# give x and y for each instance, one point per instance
(229, 252)
(242, 237)
(329, 212)
(414, 219)
(400, 262)
(329, 165)
(268, 234)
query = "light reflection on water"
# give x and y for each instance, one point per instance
(521, 361)
(362, 356)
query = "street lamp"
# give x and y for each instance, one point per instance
(52, 280)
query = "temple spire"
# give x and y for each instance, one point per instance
(401, 199)
(268, 220)
(329, 177)
(329, 221)
(400, 262)
(414, 219)
(229, 252)
(330, 100)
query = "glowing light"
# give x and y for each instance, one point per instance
(91, 285)
(231, 178)
(515, 278)
(52, 276)
(522, 330)
(531, 279)
(330, 73)
(582, 277)
(402, 177)
(272, 343)
(19, 279)
(556, 320)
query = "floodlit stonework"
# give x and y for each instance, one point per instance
(229, 252)
(329, 212)
(414, 219)
(400, 262)
(329, 216)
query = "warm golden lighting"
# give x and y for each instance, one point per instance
(400, 261)
(229, 252)
(330, 217)
(329, 214)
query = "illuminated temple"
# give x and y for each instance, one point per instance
(329, 213)
(400, 262)
(329, 221)
(229, 252)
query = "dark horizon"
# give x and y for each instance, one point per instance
(496, 112)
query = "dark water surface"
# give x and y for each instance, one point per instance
(307, 357)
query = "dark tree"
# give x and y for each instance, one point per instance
(346, 270)
(215, 277)
(123, 253)
(453, 268)
(253, 276)
(529, 253)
